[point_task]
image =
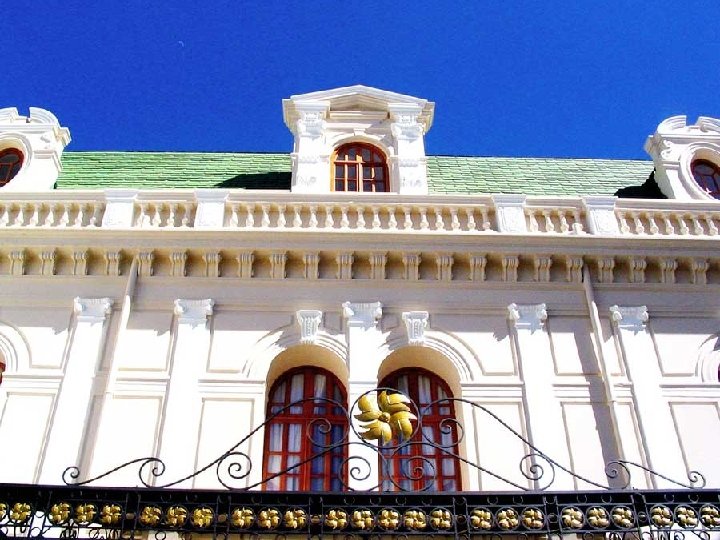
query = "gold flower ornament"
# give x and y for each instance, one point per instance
(385, 418)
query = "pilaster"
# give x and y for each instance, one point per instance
(543, 412)
(658, 436)
(63, 447)
(364, 338)
(182, 407)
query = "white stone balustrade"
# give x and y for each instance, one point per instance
(431, 214)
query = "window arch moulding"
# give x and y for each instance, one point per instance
(14, 349)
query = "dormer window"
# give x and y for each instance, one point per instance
(360, 167)
(11, 160)
(707, 175)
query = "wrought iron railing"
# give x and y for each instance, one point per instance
(80, 509)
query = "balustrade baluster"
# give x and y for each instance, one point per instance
(712, 229)
(624, 227)
(234, 216)
(470, 213)
(532, 219)
(424, 224)
(683, 225)
(577, 225)
(281, 220)
(654, 229)
(249, 216)
(697, 227)
(439, 221)
(407, 222)
(637, 222)
(669, 229)
(564, 227)
(50, 216)
(486, 225)
(265, 216)
(329, 219)
(35, 216)
(392, 222)
(65, 216)
(454, 221)
(4, 214)
(549, 225)
(344, 221)
(156, 214)
(188, 208)
(376, 218)
(172, 211)
(297, 218)
(313, 221)
(80, 216)
(360, 217)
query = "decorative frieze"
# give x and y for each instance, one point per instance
(542, 265)
(415, 324)
(629, 317)
(444, 263)
(193, 312)
(245, 261)
(530, 317)
(698, 271)
(362, 314)
(80, 260)
(510, 265)
(636, 269)
(112, 262)
(17, 262)
(277, 264)
(145, 263)
(377, 265)
(573, 269)
(667, 270)
(411, 264)
(92, 310)
(606, 266)
(344, 263)
(309, 321)
(212, 263)
(311, 265)
(477, 265)
(47, 262)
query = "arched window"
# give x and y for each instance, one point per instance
(440, 469)
(360, 167)
(707, 175)
(11, 159)
(295, 433)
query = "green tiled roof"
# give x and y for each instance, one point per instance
(446, 174)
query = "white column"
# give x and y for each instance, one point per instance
(543, 412)
(655, 423)
(70, 416)
(182, 409)
(363, 338)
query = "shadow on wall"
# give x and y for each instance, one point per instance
(267, 180)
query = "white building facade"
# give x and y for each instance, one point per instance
(138, 323)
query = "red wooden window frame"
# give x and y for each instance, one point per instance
(290, 432)
(11, 160)
(438, 418)
(360, 167)
(707, 175)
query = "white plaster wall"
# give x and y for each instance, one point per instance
(126, 418)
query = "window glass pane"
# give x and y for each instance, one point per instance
(352, 153)
(339, 185)
(294, 437)
(367, 172)
(352, 185)
(379, 173)
(380, 186)
(352, 171)
(368, 185)
(296, 392)
(276, 434)
(365, 154)
(273, 465)
(338, 171)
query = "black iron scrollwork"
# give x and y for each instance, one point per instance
(234, 469)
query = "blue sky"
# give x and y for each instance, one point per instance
(509, 78)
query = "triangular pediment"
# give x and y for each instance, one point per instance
(358, 98)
